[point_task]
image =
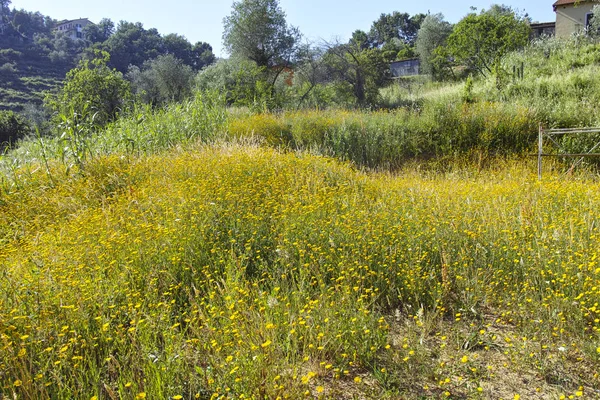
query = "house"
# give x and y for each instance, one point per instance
(74, 28)
(408, 67)
(572, 16)
(540, 29)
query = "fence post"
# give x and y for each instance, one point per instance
(540, 150)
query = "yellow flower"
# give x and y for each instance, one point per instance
(464, 359)
(141, 395)
(178, 397)
(18, 383)
(357, 379)
(320, 389)
(266, 344)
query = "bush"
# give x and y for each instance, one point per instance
(12, 127)
(92, 93)
(242, 82)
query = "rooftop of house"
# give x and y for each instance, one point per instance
(568, 2)
(73, 20)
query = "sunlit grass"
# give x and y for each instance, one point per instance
(231, 271)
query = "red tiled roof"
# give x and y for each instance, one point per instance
(567, 2)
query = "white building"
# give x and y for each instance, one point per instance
(74, 28)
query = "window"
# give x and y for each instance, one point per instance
(80, 35)
(588, 20)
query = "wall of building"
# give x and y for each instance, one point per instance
(571, 19)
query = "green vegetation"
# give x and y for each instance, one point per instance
(296, 225)
(11, 126)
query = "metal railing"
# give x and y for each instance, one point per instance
(551, 134)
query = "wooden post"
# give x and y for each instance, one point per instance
(522, 70)
(540, 150)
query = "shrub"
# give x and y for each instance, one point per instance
(92, 93)
(12, 127)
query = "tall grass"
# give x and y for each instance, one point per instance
(388, 140)
(241, 272)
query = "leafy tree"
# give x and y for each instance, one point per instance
(309, 73)
(480, 41)
(100, 32)
(179, 47)
(12, 127)
(4, 13)
(92, 93)
(202, 56)
(26, 25)
(162, 80)
(64, 49)
(594, 28)
(396, 25)
(240, 80)
(257, 30)
(365, 70)
(433, 33)
(131, 44)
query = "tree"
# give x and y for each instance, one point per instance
(100, 32)
(179, 47)
(240, 80)
(12, 127)
(593, 29)
(257, 30)
(162, 80)
(64, 49)
(480, 41)
(202, 56)
(310, 72)
(365, 70)
(92, 93)
(4, 14)
(433, 33)
(397, 25)
(131, 44)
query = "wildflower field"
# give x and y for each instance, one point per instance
(235, 271)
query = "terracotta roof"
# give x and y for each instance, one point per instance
(567, 2)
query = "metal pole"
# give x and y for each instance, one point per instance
(540, 151)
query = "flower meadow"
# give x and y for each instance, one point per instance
(235, 271)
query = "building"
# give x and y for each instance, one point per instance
(540, 29)
(573, 16)
(409, 67)
(74, 28)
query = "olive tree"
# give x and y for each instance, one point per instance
(257, 30)
(433, 33)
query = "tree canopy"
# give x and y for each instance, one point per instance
(480, 40)
(92, 92)
(433, 33)
(396, 25)
(257, 30)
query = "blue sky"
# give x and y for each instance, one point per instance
(201, 20)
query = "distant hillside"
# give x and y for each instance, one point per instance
(25, 75)
(35, 58)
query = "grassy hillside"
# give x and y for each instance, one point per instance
(25, 76)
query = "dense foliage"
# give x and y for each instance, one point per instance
(479, 41)
(12, 127)
(92, 93)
